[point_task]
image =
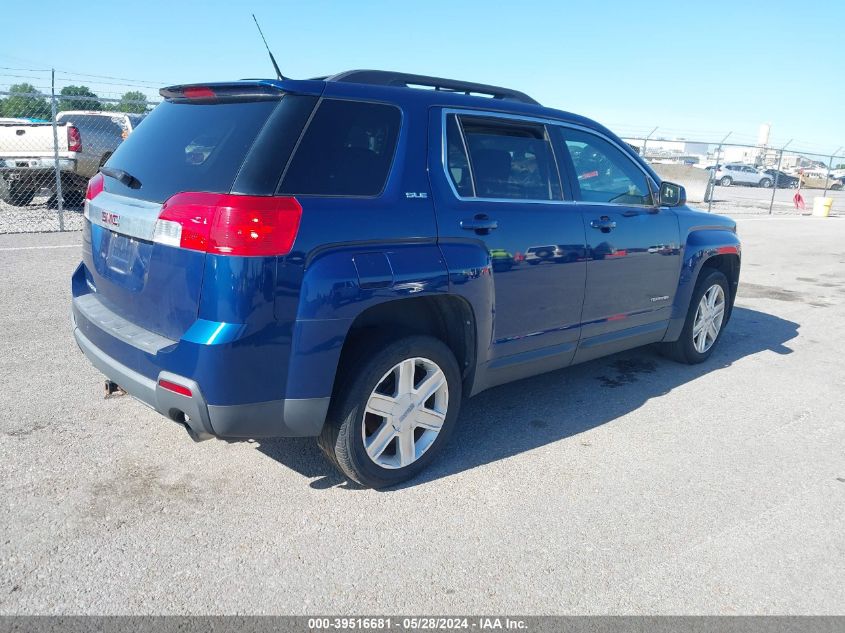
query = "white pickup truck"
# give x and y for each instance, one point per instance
(85, 141)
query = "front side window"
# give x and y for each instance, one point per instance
(347, 150)
(510, 159)
(604, 173)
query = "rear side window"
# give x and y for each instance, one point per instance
(189, 147)
(511, 160)
(347, 150)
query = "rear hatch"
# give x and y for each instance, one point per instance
(186, 144)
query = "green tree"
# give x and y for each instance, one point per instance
(25, 102)
(67, 102)
(133, 101)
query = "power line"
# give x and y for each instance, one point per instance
(76, 74)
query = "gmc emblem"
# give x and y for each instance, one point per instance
(111, 218)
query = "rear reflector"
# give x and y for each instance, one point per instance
(74, 140)
(172, 386)
(226, 224)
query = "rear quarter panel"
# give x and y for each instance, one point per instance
(354, 253)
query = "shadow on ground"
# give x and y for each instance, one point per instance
(547, 408)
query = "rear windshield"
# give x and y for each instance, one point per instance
(188, 147)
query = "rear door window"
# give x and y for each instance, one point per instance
(189, 147)
(457, 163)
(511, 159)
(346, 150)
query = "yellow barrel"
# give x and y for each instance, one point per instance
(822, 207)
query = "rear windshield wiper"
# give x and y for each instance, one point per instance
(122, 176)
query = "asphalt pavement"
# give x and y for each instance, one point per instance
(630, 484)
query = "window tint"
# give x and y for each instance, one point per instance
(189, 147)
(457, 163)
(346, 150)
(604, 172)
(511, 160)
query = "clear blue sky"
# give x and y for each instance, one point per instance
(692, 67)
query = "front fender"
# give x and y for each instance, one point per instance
(701, 245)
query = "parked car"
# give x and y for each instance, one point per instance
(322, 265)
(555, 253)
(86, 139)
(501, 259)
(816, 179)
(27, 158)
(782, 179)
(101, 133)
(736, 174)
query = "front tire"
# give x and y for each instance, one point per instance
(765, 183)
(726, 181)
(393, 411)
(706, 319)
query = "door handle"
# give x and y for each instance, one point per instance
(480, 223)
(603, 224)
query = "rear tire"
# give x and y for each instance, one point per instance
(689, 348)
(17, 195)
(74, 198)
(383, 450)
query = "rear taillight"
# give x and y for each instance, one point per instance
(95, 186)
(226, 224)
(74, 140)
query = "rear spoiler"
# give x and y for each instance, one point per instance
(245, 90)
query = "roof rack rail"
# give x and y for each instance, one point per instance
(407, 80)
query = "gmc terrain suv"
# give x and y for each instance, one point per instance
(349, 257)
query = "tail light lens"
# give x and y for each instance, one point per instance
(226, 224)
(95, 186)
(74, 139)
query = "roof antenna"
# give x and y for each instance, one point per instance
(279, 74)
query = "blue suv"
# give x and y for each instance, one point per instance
(349, 257)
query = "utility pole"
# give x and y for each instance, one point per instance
(56, 168)
(777, 175)
(645, 141)
(712, 185)
(829, 167)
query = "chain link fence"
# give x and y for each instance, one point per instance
(756, 178)
(50, 145)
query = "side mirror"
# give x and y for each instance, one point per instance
(672, 195)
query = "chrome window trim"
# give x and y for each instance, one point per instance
(531, 119)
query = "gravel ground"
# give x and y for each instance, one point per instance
(627, 485)
(38, 215)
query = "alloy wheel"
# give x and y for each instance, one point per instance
(405, 413)
(709, 317)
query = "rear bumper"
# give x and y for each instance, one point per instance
(33, 166)
(275, 418)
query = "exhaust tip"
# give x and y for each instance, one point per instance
(181, 418)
